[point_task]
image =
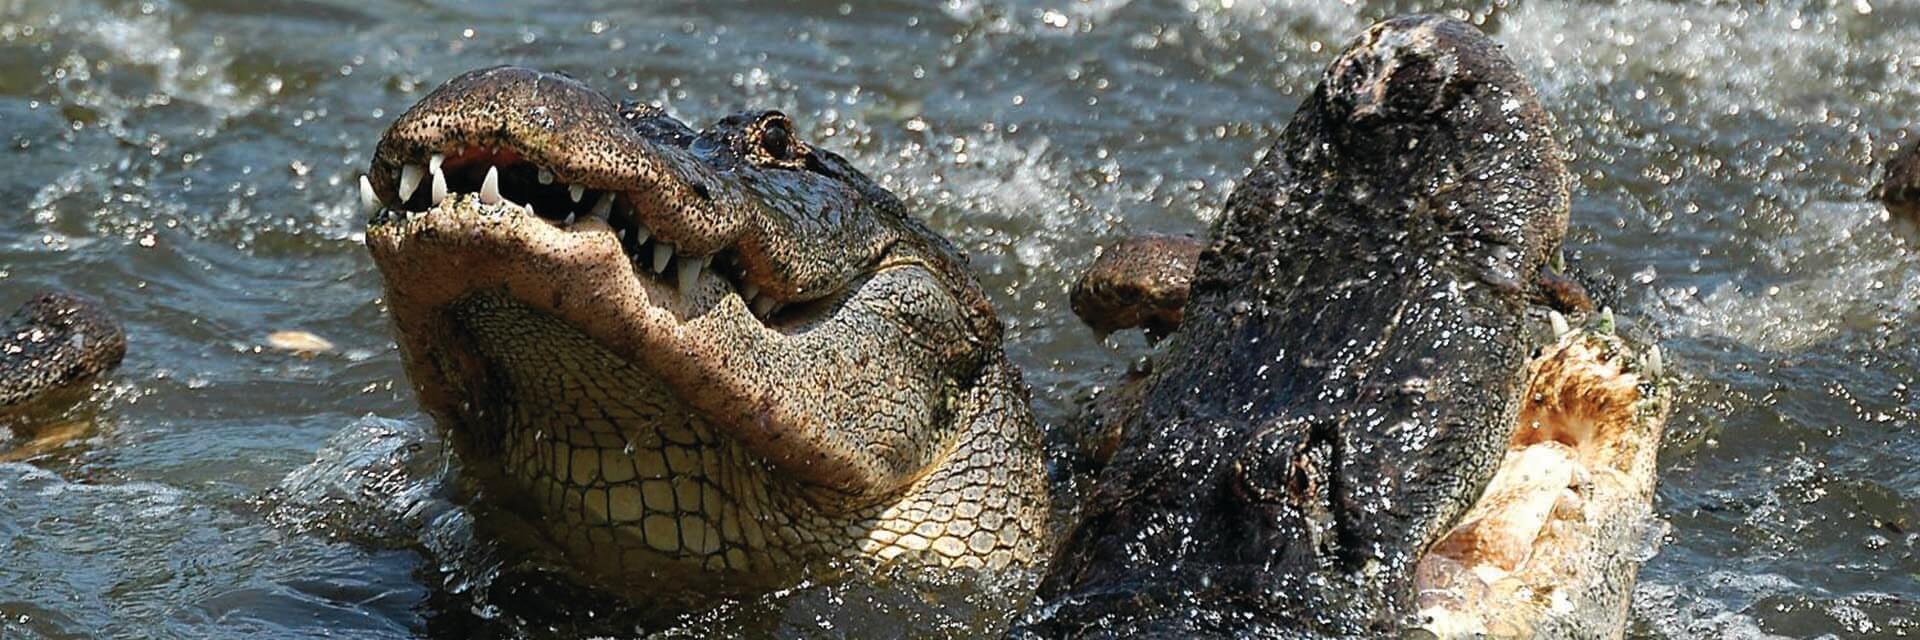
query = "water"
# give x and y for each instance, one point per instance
(191, 163)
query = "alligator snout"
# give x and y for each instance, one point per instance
(729, 200)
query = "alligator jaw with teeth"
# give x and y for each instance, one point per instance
(694, 362)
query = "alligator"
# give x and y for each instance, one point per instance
(53, 343)
(695, 362)
(1355, 428)
(700, 362)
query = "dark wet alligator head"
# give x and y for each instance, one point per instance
(724, 357)
(1350, 365)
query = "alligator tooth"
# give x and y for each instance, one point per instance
(569, 216)
(621, 234)
(603, 207)
(641, 233)
(762, 307)
(410, 175)
(490, 187)
(750, 292)
(369, 203)
(546, 177)
(576, 192)
(661, 253)
(1560, 326)
(1655, 364)
(690, 269)
(434, 161)
(1606, 320)
(439, 187)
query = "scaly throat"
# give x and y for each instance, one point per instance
(616, 469)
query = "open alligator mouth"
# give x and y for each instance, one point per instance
(718, 352)
(505, 180)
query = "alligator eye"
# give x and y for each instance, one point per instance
(775, 143)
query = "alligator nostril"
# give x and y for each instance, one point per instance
(700, 189)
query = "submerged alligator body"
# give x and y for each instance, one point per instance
(695, 361)
(54, 342)
(1349, 434)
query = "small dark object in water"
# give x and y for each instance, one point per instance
(55, 341)
(1899, 189)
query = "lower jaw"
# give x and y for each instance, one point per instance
(634, 489)
(1553, 544)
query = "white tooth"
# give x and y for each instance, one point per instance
(546, 177)
(641, 233)
(490, 187)
(604, 206)
(369, 203)
(752, 291)
(690, 269)
(576, 192)
(569, 217)
(762, 307)
(434, 161)
(1655, 364)
(661, 254)
(622, 234)
(410, 175)
(439, 186)
(1560, 327)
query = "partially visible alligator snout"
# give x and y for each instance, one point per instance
(53, 342)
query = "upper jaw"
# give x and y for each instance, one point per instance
(545, 145)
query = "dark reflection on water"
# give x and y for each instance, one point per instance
(192, 162)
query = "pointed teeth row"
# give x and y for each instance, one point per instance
(657, 256)
(410, 176)
(602, 207)
(690, 269)
(662, 252)
(439, 188)
(369, 202)
(490, 187)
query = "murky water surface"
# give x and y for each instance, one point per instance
(192, 162)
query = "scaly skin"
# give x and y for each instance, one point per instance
(53, 342)
(1548, 550)
(1351, 363)
(813, 380)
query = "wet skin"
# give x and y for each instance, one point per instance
(1348, 376)
(725, 358)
